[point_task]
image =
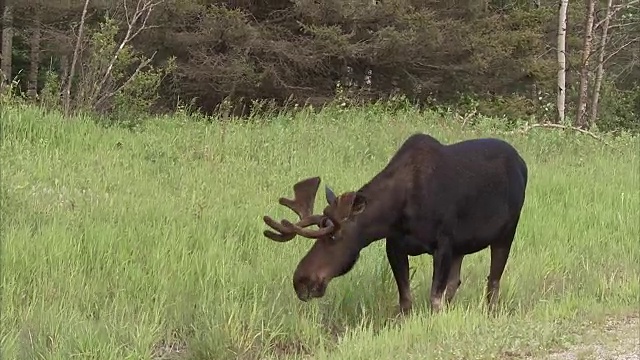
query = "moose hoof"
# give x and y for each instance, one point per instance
(403, 309)
(492, 309)
(436, 305)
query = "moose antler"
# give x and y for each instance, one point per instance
(302, 204)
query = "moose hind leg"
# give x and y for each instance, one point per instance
(499, 256)
(454, 278)
(441, 268)
(399, 261)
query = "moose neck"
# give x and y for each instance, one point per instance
(378, 220)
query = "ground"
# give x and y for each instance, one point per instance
(617, 339)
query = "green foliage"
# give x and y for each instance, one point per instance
(508, 109)
(117, 79)
(7, 93)
(137, 96)
(227, 57)
(50, 93)
(303, 50)
(619, 109)
(149, 244)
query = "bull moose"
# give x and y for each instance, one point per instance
(444, 200)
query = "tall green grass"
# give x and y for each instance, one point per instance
(139, 245)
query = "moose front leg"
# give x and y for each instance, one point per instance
(399, 261)
(442, 259)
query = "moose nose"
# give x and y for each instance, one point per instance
(307, 288)
(303, 294)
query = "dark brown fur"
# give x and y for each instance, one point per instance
(444, 200)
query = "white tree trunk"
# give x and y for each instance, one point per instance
(562, 62)
(600, 71)
(67, 90)
(581, 118)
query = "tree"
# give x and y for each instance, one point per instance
(76, 51)
(562, 62)
(7, 42)
(595, 96)
(625, 37)
(581, 118)
(34, 58)
(137, 22)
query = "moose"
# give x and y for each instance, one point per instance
(444, 200)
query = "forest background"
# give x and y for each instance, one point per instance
(573, 62)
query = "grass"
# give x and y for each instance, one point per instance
(148, 244)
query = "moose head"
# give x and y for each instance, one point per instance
(336, 247)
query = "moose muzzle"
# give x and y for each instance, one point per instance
(307, 288)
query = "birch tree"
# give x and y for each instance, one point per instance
(611, 11)
(74, 60)
(600, 70)
(581, 118)
(562, 62)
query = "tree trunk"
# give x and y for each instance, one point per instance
(32, 89)
(562, 62)
(76, 51)
(600, 71)
(581, 116)
(64, 75)
(7, 43)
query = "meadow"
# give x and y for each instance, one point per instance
(148, 244)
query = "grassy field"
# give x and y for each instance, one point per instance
(148, 244)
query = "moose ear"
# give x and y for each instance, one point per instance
(349, 204)
(359, 204)
(331, 197)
